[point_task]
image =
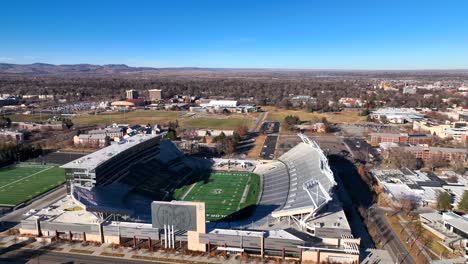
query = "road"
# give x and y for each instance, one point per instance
(258, 124)
(12, 219)
(390, 239)
(46, 257)
(360, 149)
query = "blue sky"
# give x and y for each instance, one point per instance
(311, 34)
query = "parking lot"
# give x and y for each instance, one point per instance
(360, 149)
(269, 147)
(270, 127)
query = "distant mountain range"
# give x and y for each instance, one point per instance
(44, 68)
(122, 69)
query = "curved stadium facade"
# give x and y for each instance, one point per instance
(297, 213)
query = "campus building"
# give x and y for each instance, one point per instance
(131, 94)
(447, 154)
(396, 115)
(155, 94)
(451, 228)
(399, 138)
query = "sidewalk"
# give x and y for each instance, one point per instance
(106, 250)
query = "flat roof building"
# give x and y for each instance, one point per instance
(155, 94)
(131, 94)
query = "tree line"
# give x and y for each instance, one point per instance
(276, 92)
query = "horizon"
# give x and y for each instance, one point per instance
(362, 35)
(225, 68)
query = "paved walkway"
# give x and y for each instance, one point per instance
(106, 250)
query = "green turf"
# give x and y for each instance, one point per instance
(222, 192)
(19, 183)
(232, 122)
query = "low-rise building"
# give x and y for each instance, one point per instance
(440, 130)
(450, 227)
(39, 127)
(219, 104)
(399, 138)
(409, 90)
(251, 108)
(122, 104)
(11, 136)
(351, 102)
(457, 134)
(87, 140)
(213, 132)
(396, 115)
(112, 132)
(448, 154)
(419, 186)
(300, 100)
(316, 127)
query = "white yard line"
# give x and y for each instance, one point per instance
(1, 187)
(188, 191)
(244, 195)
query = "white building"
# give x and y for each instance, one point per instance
(220, 104)
(397, 115)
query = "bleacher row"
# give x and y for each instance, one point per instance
(308, 171)
(162, 169)
(275, 184)
(151, 173)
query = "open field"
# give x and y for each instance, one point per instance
(217, 123)
(254, 153)
(30, 118)
(152, 117)
(223, 193)
(19, 183)
(346, 116)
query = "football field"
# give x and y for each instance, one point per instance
(21, 182)
(223, 192)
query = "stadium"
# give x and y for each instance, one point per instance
(145, 190)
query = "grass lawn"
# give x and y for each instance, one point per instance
(20, 183)
(30, 118)
(275, 114)
(232, 122)
(134, 117)
(152, 117)
(254, 153)
(222, 192)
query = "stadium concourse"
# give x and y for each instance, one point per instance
(127, 191)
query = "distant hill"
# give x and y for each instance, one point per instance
(44, 68)
(122, 69)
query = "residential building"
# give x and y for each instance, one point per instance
(90, 140)
(399, 138)
(448, 154)
(112, 132)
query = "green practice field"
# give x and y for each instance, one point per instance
(223, 192)
(19, 183)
